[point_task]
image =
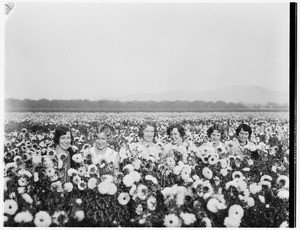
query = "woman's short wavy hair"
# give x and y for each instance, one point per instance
(216, 127)
(179, 127)
(108, 130)
(245, 127)
(144, 125)
(61, 131)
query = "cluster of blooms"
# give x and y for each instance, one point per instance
(208, 189)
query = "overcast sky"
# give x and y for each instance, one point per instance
(106, 50)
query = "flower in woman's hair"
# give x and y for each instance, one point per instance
(123, 198)
(79, 215)
(255, 188)
(92, 183)
(139, 209)
(213, 159)
(188, 218)
(76, 179)
(142, 191)
(72, 172)
(285, 180)
(23, 217)
(283, 194)
(77, 158)
(27, 198)
(135, 175)
(207, 173)
(172, 220)
(60, 218)
(151, 178)
(68, 186)
(236, 211)
(10, 207)
(112, 189)
(232, 222)
(151, 203)
(82, 185)
(128, 180)
(42, 219)
(22, 181)
(128, 168)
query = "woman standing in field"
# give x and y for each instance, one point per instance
(177, 148)
(146, 147)
(215, 134)
(63, 139)
(101, 150)
(243, 142)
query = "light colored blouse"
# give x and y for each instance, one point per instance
(182, 149)
(110, 156)
(148, 151)
(239, 150)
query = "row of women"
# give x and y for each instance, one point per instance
(101, 149)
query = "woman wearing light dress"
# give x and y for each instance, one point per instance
(177, 148)
(146, 148)
(101, 150)
(243, 142)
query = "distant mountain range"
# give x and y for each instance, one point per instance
(234, 94)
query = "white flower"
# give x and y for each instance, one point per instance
(250, 162)
(76, 179)
(107, 178)
(139, 209)
(92, 183)
(103, 187)
(27, 198)
(42, 219)
(266, 177)
(283, 194)
(78, 201)
(207, 222)
(82, 185)
(172, 220)
(79, 215)
(177, 169)
(22, 181)
(68, 186)
(21, 190)
(142, 191)
(232, 221)
(57, 186)
(77, 158)
(35, 177)
(72, 172)
(223, 163)
(188, 218)
(236, 211)
(285, 179)
(123, 198)
(250, 202)
(255, 188)
(151, 178)
(132, 189)
(128, 180)
(92, 169)
(112, 189)
(128, 167)
(10, 207)
(224, 172)
(23, 217)
(284, 224)
(261, 198)
(137, 164)
(50, 172)
(60, 217)
(213, 159)
(151, 203)
(212, 205)
(207, 173)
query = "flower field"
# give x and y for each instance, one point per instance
(208, 191)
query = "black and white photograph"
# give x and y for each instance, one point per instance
(148, 114)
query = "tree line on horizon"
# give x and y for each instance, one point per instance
(45, 105)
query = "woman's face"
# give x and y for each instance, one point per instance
(243, 136)
(65, 141)
(215, 136)
(148, 133)
(101, 141)
(175, 136)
